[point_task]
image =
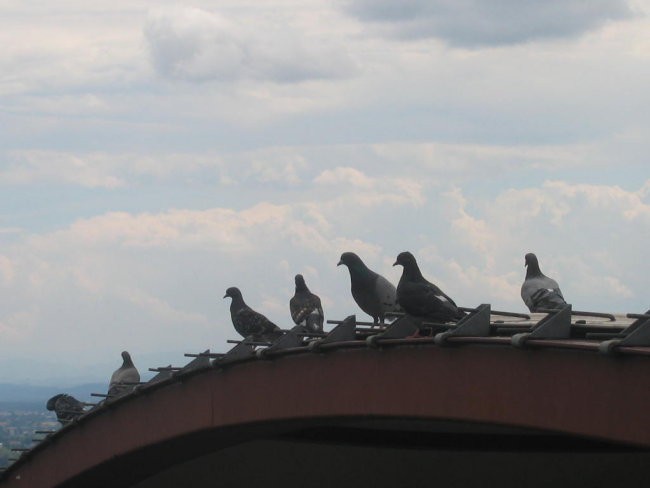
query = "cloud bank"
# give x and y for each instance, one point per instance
(166, 271)
(476, 23)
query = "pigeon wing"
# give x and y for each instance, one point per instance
(128, 374)
(307, 310)
(297, 310)
(547, 298)
(123, 380)
(427, 300)
(302, 306)
(440, 294)
(67, 408)
(253, 323)
(386, 295)
(541, 292)
(316, 318)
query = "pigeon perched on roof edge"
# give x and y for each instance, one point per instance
(124, 379)
(421, 298)
(538, 291)
(66, 407)
(374, 294)
(249, 323)
(305, 307)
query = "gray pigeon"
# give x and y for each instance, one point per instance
(539, 291)
(124, 379)
(66, 407)
(374, 294)
(249, 323)
(419, 297)
(305, 307)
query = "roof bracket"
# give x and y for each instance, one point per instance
(401, 328)
(555, 325)
(240, 351)
(474, 324)
(636, 334)
(200, 362)
(344, 332)
(287, 341)
(162, 375)
(640, 319)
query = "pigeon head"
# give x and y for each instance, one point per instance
(532, 264)
(51, 403)
(300, 283)
(233, 292)
(126, 357)
(351, 260)
(411, 268)
(405, 259)
(530, 258)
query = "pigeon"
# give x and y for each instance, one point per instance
(305, 307)
(539, 291)
(374, 294)
(124, 379)
(420, 298)
(66, 407)
(249, 323)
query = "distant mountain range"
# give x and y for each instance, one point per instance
(14, 393)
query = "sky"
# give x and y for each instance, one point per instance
(153, 154)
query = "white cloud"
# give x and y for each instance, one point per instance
(222, 229)
(474, 232)
(475, 282)
(68, 49)
(161, 311)
(558, 201)
(19, 326)
(268, 165)
(629, 205)
(585, 236)
(116, 170)
(93, 171)
(345, 175)
(462, 160)
(6, 270)
(193, 44)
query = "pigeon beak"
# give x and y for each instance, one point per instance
(395, 263)
(339, 263)
(225, 296)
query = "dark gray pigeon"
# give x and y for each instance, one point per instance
(249, 323)
(124, 379)
(66, 407)
(420, 298)
(374, 294)
(305, 307)
(539, 291)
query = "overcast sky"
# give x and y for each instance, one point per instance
(151, 157)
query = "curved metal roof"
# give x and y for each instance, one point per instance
(535, 383)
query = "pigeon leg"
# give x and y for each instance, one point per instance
(415, 335)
